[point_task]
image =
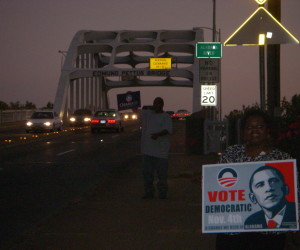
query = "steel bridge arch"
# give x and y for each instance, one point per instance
(98, 61)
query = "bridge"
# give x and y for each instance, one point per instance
(98, 61)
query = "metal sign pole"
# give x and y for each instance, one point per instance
(262, 76)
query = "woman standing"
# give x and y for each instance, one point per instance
(256, 127)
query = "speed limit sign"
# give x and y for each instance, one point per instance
(208, 95)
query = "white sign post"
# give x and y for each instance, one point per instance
(208, 95)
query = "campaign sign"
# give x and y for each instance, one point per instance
(129, 100)
(250, 197)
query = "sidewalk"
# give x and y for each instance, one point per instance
(113, 215)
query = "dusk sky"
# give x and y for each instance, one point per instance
(33, 31)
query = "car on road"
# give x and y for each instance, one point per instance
(80, 117)
(171, 113)
(44, 120)
(109, 119)
(130, 116)
(182, 114)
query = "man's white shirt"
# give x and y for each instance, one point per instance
(152, 123)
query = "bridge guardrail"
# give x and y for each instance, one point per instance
(14, 115)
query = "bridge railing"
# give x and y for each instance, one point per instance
(14, 115)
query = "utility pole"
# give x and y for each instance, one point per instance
(273, 65)
(214, 109)
(214, 21)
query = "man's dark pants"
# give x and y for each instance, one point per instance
(152, 165)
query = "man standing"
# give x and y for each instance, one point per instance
(268, 190)
(155, 144)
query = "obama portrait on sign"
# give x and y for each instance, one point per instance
(268, 189)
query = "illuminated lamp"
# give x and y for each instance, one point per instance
(260, 2)
(269, 35)
(261, 39)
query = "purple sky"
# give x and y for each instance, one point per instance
(33, 31)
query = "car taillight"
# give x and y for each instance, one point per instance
(94, 121)
(173, 115)
(111, 121)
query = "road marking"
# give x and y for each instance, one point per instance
(168, 154)
(62, 153)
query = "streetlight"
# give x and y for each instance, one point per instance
(261, 29)
(212, 30)
(262, 70)
(214, 21)
(63, 55)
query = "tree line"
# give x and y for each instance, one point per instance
(17, 105)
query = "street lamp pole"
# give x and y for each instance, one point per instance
(63, 56)
(262, 70)
(214, 21)
(262, 76)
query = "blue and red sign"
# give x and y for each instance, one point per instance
(250, 197)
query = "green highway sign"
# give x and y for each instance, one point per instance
(208, 50)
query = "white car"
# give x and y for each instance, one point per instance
(44, 121)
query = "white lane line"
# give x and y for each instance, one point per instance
(168, 154)
(62, 153)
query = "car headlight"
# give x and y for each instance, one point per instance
(47, 124)
(126, 116)
(72, 119)
(134, 116)
(29, 124)
(86, 119)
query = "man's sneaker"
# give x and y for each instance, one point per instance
(162, 196)
(148, 196)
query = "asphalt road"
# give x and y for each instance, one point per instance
(40, 175)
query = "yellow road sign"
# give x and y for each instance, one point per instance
(160, 63)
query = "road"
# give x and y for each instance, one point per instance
(43, 173)
(40, 175)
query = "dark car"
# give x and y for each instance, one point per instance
(182, 114)
(109, 119)
(171, 113)
(81, 117)
(130, 116)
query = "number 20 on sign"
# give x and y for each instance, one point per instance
(208, 95)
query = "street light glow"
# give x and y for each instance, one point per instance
(261, 1)
(259, 17)
(261, 39)
(269, 35)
